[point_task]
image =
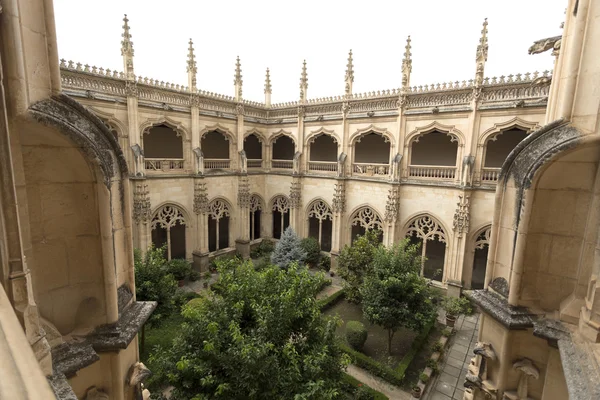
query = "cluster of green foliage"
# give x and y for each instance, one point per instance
(394, 294)
(264, 248)
(154, 282)
(288, 250)
(356, 334)
(447, 332)
(261, 337)
(433, 364)
(330, 301)
(312, 248)
(455, 306)
(181, 269)
(358, 390)
(325, 264)
(424, 378)
(355, 262)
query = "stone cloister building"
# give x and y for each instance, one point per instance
(212, 173)
(497, 177)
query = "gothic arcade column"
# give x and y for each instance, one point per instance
(242, 243)
(142, 218)
(338, 225)
(456, 255)
(200, 255)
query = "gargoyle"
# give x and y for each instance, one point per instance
(542, 45)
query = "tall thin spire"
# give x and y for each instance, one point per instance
(238, 79)
(191, 67)
(406, 64)
(268, 89)
(481, 54)
(303, 83)
(127, 50)
(349, 74)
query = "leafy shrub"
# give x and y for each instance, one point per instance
(447, 332)
(356, 334)
(455, 306)
(325, 264)
(313, 251)
(180, 268)
(194, 275)
(266, 246)
(355, 262)
(424, 378)
(328, 302)
(262, 263)
(437, 347)
(433, 364)
(183, 297)
(351, 386)
(362, 393)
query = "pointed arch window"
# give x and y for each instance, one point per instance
(168, 227)
(281, 215)
(427, 232)
(320, 220)
(218, 225)
(482, 243)
(365, 219)
(255, 216)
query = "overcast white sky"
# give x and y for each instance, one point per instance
(280, 34)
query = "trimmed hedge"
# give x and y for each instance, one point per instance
(356, 334)
(328, 302)
(351, 384)
(391, 375)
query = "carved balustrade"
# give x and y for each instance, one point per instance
(490, 175)
(323, 166)
(433, 172)
(371, 169)
(216, 163)
(252, 163)
(163, 164)
(282, 164)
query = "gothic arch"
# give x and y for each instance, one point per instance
(322, 131)
(111, 120)
(434, 241)
(317, 200)
(186, 214)
(279, 207)
(258, 133)
(256, 209)
(450, 130)
(281, 204)
(219, 128)
(364, 218)
(474, 277)
(319, 222)
(168, 226)
(257, 202)
(168, 214)
(281, 132)
(482, 230)
(387, 135)
(430, 215)
(167, 121)
(220, 213)
(499, 128)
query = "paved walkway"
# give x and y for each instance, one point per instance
(449, 382)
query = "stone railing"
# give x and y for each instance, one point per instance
(371, 169)
(490, 175)
(322, 166)
(255, 163)
(431, 172)
(163, 164)
(216, 163)
(282, 164)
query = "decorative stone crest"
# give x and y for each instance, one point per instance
(461, 216)
(195, 100)
(392, 207)
(239, 109)
(339, 197)
(200, 198)
(243, 192)
(141, 204)
(296, 193)
(345, 109)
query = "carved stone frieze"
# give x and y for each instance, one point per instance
(392, 206)
(461, 216)
(339, 197)
(296, 194)
(200, 198)
(243, 192)
(141, 204)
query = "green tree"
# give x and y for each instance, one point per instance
(288, 250)
(355, 261)
(395, 294)
(312, 248)
(261, 337)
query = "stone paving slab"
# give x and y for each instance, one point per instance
(448, 384)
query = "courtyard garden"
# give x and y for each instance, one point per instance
(260, 320)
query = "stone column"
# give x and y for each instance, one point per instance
(200, 255)
(242, 244)
(392, 209)
(337, 224)
(142, 216)
(296, 205)
(457, 248)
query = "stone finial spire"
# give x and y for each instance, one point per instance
(349, 74)
(191, 67)
(127, 50)
(406, 64)
(238, 79)
(481, 54)
(268, 89)
(303, 83)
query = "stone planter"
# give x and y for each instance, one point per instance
(450, 321)
(416, 392)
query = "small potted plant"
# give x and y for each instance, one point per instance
(416, 392)
(424, 378)
(455, 307)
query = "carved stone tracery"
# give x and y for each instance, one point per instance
(167, 217)
(483, 239)
(200, 198)
(255, 203)
(339, 197)
(244, 192)
(367, 218)
(141, 204)
(281, 204)
(320, 210)
(295, 194)
(392, 207)
(218, 209)
(427, 228)
(461, 215)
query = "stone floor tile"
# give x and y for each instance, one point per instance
(450, 370)
(462, 341)
(458, 394)
(468, 325)
(449, 379)
(453, 362)
(445, 388)
(459, 355)
(459, 347)
(439, 396)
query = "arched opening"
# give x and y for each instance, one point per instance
(283, 153)
(497, 149)
(168, 228)
(163, 149)
(255, 217)
(320, 223)
(433, 155)
(365, 219)
(215, 148)
(372, 155)
(253, 150)
(323, 151)
(281, 215)
(218, 225)
(429, 234)
(480, 259)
